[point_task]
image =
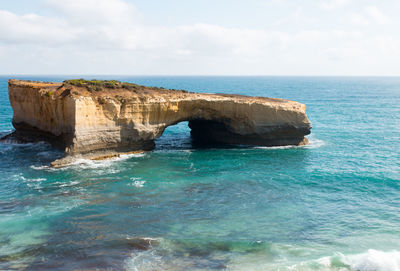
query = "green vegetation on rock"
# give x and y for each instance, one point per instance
(98, 85)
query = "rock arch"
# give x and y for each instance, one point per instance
(119, 119)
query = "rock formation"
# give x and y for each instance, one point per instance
(102, 118)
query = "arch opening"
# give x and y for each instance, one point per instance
(196, 133)
(174, 137)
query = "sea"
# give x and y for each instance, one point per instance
(331, 205)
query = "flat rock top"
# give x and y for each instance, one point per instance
(126, 91)
(32, 84)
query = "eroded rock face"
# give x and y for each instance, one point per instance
(118, 118)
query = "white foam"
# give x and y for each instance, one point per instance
(313, 144)
(67, 184)
(90, 164)
(145, 260)
(20, 176)
(35, 183)
(82, 163)
(36, 180)
(105, 162)
(137, 182)
(40, 167)
(278, 147)
(372, 260)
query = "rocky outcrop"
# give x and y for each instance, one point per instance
(96, 118)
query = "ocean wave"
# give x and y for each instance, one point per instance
(42, 149)
(34, 183)
(146, 258)
(313, 144)
(36, 180)
(20, 177)
(137, 182)
(278, 147)
(44, 167)
(372, 260)
(16, 143)
(66, 184)
(82, 163)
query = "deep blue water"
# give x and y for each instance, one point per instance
(332, 205)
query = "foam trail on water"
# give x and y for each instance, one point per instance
(87, 163)
(372, 260)
(313, 144)
(41, 167)
(82, 163)
(137, 182)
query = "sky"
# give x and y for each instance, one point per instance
(202, 37)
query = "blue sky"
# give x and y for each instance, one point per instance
(253, 37)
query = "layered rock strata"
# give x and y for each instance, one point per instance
(103, 118)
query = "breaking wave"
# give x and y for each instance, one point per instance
(372, 260)
(313, 144)
(82, 163)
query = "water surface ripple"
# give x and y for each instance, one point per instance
(332, 205)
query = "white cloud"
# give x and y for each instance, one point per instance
(96, 12)
(359, 19)
(127, 34)
(370, 14)
(31, 28)
(109, 36)
(333, 4)
(377, 15)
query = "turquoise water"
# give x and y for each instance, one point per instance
(332, 205)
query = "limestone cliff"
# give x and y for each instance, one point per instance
(97, 118)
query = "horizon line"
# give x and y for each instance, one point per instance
(196, 75)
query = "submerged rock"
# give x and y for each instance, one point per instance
(142, 243)
(106, 118)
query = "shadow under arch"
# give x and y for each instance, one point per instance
(200, 134)
(195, 134)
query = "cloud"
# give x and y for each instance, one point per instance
(32, 28)
(108, 27)
(377, 15)
(359, 19)
(110, 37)
(95, 12)
(370, 14)
(333, 4)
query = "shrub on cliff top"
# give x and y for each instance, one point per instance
(98, 85)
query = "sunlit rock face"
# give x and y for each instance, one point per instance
(103, 118)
